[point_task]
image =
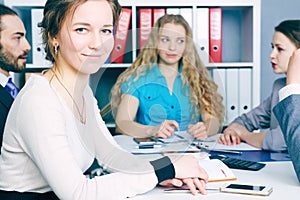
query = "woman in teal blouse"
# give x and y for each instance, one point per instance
(167, 88)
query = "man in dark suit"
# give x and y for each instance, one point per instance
(287, 111)
(13, 54)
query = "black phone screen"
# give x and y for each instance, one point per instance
(246, 187)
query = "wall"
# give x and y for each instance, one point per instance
(273, 12)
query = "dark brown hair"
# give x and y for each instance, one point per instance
(291, 29)
(4, 10)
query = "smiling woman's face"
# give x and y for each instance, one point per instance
(86, 38)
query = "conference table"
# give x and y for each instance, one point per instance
(278, 173)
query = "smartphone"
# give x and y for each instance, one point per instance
(144, 141)
(247, 189)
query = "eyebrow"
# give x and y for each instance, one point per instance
(87, 24)
(19, 33)
(179, 37)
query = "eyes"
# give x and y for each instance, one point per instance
(81, 30)
(18, 36)
(165, 39)
(277, 47)
(84, 30)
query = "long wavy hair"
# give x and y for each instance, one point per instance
(203, 90)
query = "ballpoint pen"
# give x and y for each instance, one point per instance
(205, 147)
(226, 151)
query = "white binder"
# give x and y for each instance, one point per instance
(245, 82)
(187, 14)
(174, 11)
(38, 50)
(219, 77)
(232, 94)
(202, 34)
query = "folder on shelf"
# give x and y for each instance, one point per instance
(202, 34)
(187, 14)
(145, 25)
(232, 94)
(38, 51)
(245, 82)
(219, 77)
(157, 13)
(121, 35)
(215, 34)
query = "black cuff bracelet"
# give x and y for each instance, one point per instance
(164, 168)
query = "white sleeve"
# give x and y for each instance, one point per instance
(45, 141)
(289, 90)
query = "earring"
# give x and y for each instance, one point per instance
(55, 49)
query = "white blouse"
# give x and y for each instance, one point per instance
(45, 148)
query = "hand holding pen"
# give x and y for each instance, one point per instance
(198, 130)
(166, 129)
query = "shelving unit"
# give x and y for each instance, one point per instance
(240, 39)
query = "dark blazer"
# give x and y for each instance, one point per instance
(262, 117)
(5, 103)
(287, 113)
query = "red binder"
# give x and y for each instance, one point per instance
(121, 34)
(145, 24)
(157, 13)
(215, 34)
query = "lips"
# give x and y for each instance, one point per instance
(171, 55)
(23, 58)
(98, 55)
(273, 65)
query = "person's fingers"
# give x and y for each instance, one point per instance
(189, 182)
(234, 139)
(221, 139)
(227, 138)
(201, 135)
(167, 129)
(176, 182)
(198, 131)
(171, 182)
(173, 124)
(200, 185)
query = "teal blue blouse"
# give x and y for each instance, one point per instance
(156, 104)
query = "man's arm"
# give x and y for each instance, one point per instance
(287, 113)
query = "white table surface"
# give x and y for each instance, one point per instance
(279, 175)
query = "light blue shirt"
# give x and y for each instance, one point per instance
(156, 104)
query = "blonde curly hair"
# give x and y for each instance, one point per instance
(203, 95)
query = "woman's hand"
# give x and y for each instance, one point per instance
(198, 130)
(189, 172)
(165, 129)
(171, 183)
(293, 71)
(187, 166)
(233, 134)
(192, 183)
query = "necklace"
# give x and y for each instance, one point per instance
(81, 114)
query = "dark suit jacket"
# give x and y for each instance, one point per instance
(287, 113)
(5, 103)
